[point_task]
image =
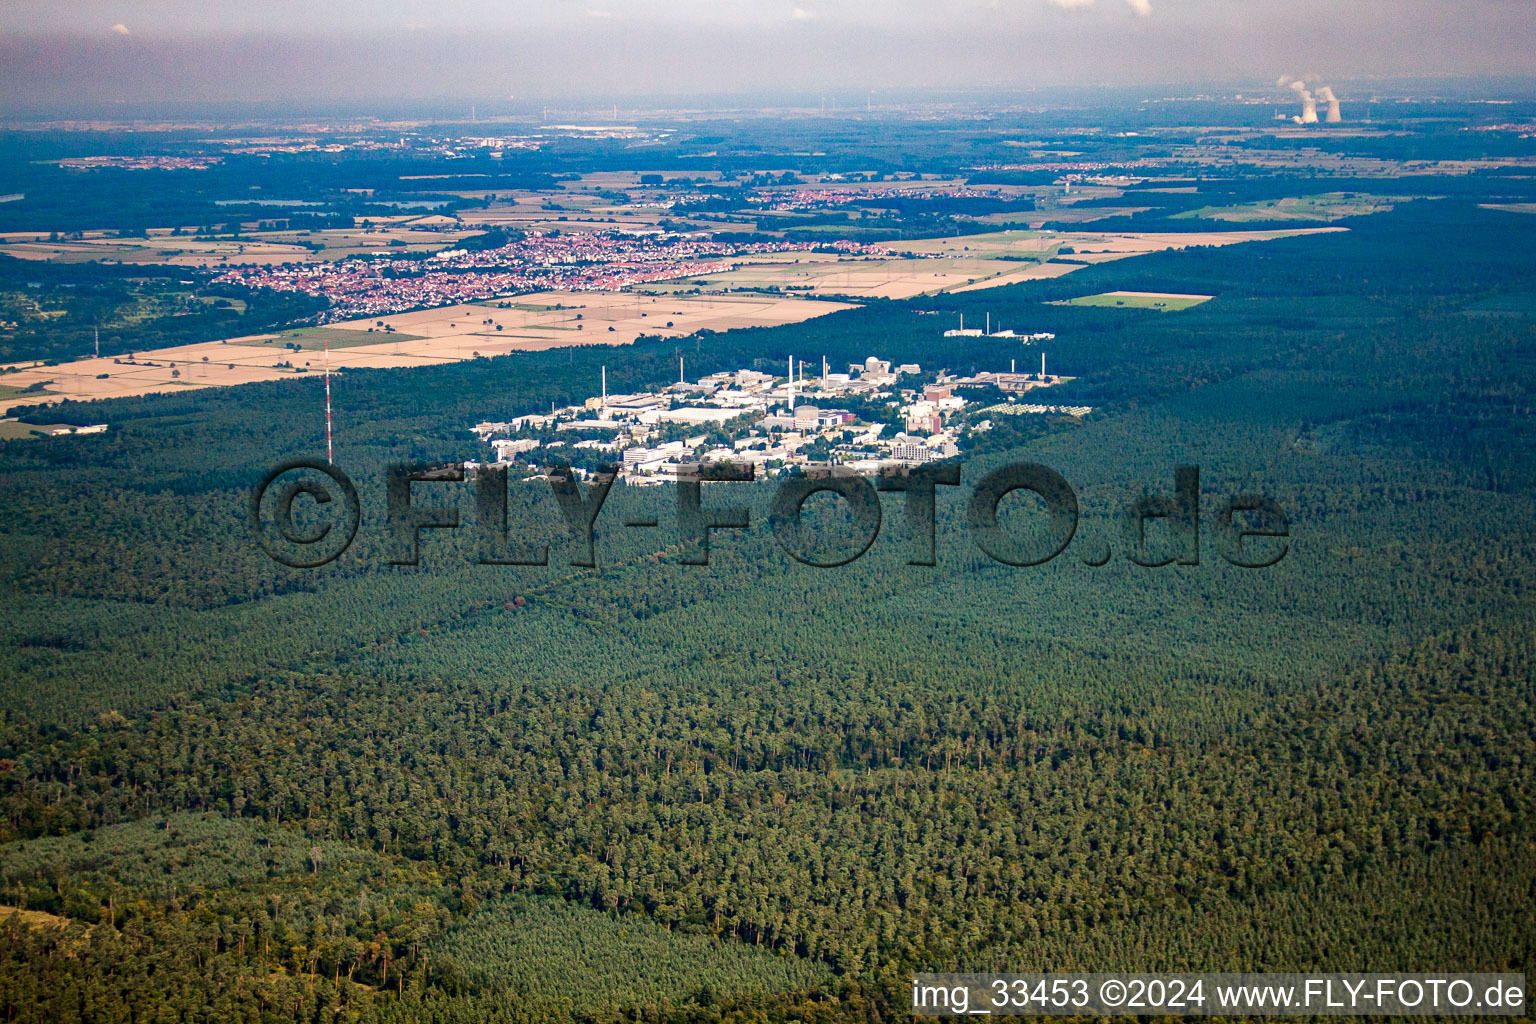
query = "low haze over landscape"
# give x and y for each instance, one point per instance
(373, 51)
(766, 512)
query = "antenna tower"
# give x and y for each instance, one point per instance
(329, 453)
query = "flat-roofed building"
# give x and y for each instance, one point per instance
(698, 415)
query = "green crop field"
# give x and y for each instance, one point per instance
(1329, 206)
(1138, 300)
(316, 338)
(11, 430)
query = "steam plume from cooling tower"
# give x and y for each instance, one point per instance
(1308, 103)
(1325, 94)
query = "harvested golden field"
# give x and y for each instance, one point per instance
(863, 277)
(1064, 214)
(557, 319)
(1028, 272)
(1087, 246)
(991, 244)
(449, 334)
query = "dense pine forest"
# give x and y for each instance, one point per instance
(759, 791)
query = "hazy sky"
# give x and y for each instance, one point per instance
(148, 50)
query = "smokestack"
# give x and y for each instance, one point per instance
(1325, 94)
(791, 383)
(605, 389)
(1308, 104)
(680, 369)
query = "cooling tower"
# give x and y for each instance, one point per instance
(1325, 94)
(1308, 104)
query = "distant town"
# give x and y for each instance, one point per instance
(866, 417)
(383, 282)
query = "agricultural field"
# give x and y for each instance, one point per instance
(1328, 206)
(1016, 274)
(960, 263)
(13, 430)
(543, 320)
(161, 246)
(862, 277)
(1065, 214)
(1085, 246)
(573, 211)
(1166, 302)
(448, 334)
(597, 201)
(314, 339)
(766, 290)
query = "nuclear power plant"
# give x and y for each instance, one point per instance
(1310, 100)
